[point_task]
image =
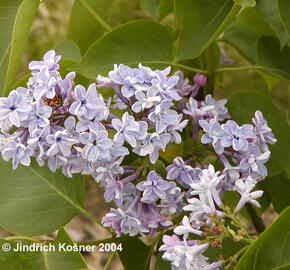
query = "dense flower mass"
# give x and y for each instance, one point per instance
(73, 128)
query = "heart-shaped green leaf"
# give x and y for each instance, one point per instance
(246, 3)
(165, 8)
(141, 41)
(55, 259)
(270, 12)
(245, 31)
(271, 59)
(242, 106)
(83, 28)
(278, 187)
(135, 254)
(35, 201)
(201, 21)
(16, 19)
(151, 7)
(284, 11)
(271, 250)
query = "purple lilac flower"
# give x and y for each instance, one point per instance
(193, 109)
(119, 104)
(166, 86)
(152, 143)
(57, 161)
(199, 209)
(49, 61)
(244, 188)
(92, 124)
(60, 143)
(183, 87)
(181, 172)
(148, 74)
(153, 188)
(18, 152)
(218, 109)
(212, 134)
(207, 186)
(170, 241)
(185, 229)
(97, 145)
(163, 116)
(237, 136)
(87, 104)
(263, 132)
(129, 130)
(131, 79)
(254, 161)
(108, 169)
(45, 83)
(146, 101)
(38, 141)
(172, 129)
(122, 222)
(113, 190)
(39, 116)
(173, 201)
(14, 108)
(189, 256)
(150, 217)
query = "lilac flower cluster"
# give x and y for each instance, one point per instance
(242, 151)
(150, 96)
(69, 127)
(72, 128)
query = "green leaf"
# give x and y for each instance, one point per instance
(135, 254)
(246, 3)
(243, 40)
(158, 9)
(284, 11)
(83, 27)
(172, 150)
(271, 59)
(165, 8)
(70, 55)
(141, 41)
(254, 22)
(16, 19)
(271, 249)
(201, 22)
(160, 264)
(270, 80)
(242, 106)
(278, 187)
(159, 167)
(35, 201)
(229, 248)
(22, 82)
(56, 260)
(269, 10)
(244, 33)
(150, 6)
(68, 50)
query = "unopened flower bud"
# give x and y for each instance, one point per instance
(200, 79)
